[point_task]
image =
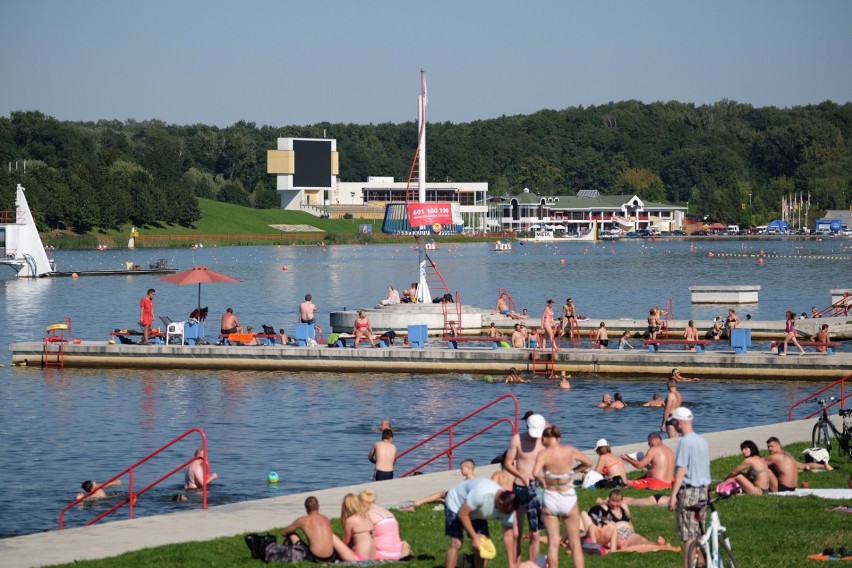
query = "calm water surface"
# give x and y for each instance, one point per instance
(62, 427)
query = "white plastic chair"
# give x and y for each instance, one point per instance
(175, 329)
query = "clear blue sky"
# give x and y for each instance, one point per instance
(281, 62)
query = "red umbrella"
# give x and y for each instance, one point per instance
(197, 275)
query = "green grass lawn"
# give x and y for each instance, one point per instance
(767, 531)
(226, 220)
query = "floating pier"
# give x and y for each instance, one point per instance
(437, 358)
(715, 294)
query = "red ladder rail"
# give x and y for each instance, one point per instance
(133, 494)
(549, 360)
(452, 445)
(841, 401)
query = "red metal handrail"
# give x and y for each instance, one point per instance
(449, 429)
(133, 495)
(809, 398)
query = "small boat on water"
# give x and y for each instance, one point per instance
(22, 249)
(502, 246)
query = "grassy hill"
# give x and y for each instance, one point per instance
(226, 220)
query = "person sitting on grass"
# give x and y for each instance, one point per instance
(753, 474)
(322, 544)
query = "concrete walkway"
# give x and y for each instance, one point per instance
(114, 538)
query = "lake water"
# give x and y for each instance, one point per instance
(60, 427)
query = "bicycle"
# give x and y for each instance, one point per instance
(824, 427)
(713, 549)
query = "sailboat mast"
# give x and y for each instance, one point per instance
(421, 164)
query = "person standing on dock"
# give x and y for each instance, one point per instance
(569, 316)
(690, 334)
(654, 324)
(673, 400)
(146, 314)
(547, 321)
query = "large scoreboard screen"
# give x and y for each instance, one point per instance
(312, 163)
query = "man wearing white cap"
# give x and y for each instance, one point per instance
(520, 461)
(692, 476)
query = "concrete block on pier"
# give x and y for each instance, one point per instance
(744, 294)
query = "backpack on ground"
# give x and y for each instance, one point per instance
(257, 544)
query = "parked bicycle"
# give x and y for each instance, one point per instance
(821, 437)
(714, 546)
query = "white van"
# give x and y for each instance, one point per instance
(733, 229)
(760, 230)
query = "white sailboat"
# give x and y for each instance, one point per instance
(20, 243)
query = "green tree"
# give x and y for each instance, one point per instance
(642, 182)
(231, 193)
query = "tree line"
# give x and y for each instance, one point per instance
(728, 160)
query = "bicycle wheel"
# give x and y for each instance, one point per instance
(695, 555)
(819, 437)
(726, 555)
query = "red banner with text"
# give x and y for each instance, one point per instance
(432, 213)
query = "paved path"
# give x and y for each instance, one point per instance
(114, 538)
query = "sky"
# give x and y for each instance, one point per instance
(301, 62)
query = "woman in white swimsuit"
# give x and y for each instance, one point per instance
(554, 469)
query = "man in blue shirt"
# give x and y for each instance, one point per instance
(692, 476)
(468, 507)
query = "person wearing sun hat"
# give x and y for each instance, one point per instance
(692, 476)
(519, 461)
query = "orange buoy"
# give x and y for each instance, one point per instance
(285, 268)
(710, 254)
(760, 261)
(562, 261)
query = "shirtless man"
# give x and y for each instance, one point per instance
(519, 461)
(323, 545)
(518, 337)
(656, 401)
(603, 336)
(194, 475)
(306, 310)
(569, 316)
(502, 307)
(606, 401)
(563, 381)
(783, 465)
(230, 323)
(99, 492)
(661, 461)
(690, 334)
(383, 454)
(673, 400)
